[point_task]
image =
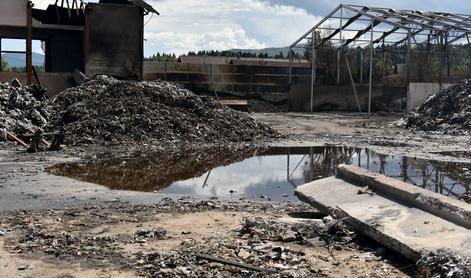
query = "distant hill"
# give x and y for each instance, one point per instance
(19, 60)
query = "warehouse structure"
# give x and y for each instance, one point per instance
(361, 41)
(94, 38)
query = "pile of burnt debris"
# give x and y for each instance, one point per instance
(448, 111)
(444, 264)
(21, 108)
(106, 110)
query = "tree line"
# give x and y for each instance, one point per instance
(171, 57)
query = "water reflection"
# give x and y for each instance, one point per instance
(272, 174)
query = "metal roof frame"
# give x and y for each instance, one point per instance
(365, 27)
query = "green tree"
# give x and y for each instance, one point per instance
(4, 65)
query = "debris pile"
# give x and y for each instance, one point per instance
(444, 264)
(448, 111)
(21, 108)
(315, 232)
(108, 110)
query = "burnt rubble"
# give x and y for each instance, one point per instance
(444, 264)
(448, 111)
(22, 107)
(259, 247)
(106, 110)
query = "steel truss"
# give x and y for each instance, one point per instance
(362, 29)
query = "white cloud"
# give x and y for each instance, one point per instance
(183, 42)
(223, 24)
(193, 25)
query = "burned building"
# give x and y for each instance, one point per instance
(94, 38)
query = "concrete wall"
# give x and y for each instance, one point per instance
(266, 82)
(418, 93)
(54, 82)
(342, 98)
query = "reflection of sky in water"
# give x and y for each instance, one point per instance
(267, 175)
(253, 177)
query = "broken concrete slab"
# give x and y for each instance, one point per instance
(405, 229)
(442, 206)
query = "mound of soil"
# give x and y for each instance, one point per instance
(448, 111)
(107, 110)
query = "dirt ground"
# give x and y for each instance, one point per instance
(47, 220)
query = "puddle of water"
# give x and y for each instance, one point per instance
(273, 174)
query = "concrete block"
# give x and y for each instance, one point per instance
(405, 229)
(445, 207)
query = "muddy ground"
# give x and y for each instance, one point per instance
(53, 226)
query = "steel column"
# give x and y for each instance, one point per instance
(313, 68)
(370, 90)
(339, 50)
(361, 68)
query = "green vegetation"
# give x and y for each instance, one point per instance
(162, 57)
(233, 53)
(4, 65)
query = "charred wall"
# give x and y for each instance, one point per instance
(114, 40)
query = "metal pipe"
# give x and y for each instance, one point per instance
(353, 85)
(338, 50)
(317, 25)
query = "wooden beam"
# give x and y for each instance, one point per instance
(16, 139)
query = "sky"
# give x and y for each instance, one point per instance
(192, 25)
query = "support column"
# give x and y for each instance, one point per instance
(384, 61)
(29, 43)
(441, 62)
(361, 67)
(290, 57)
(313, 68)
(370, 90)
(408, 62)
(469, 56)
(1, 66)
(339, 50)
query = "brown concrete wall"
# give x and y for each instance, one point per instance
(54, 82)
(267, 82)
(342, 98)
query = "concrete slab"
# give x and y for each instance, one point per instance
(405, 229)
(444, 207)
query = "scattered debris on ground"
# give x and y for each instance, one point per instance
(448, 111)
(444, 264)
(108, 110)
(143, 239)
